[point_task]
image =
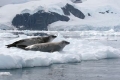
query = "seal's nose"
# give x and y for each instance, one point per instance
(66, 42)
(54, 36)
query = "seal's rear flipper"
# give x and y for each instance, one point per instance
(7, 46)
(14, 44)
(10, 45)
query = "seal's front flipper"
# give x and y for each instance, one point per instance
(21, 46)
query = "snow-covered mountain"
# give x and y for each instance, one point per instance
(52, 15)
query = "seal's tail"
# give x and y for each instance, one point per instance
(14, 44)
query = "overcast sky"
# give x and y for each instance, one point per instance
(4, 2)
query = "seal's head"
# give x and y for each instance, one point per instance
(51, 37)
(65, 42)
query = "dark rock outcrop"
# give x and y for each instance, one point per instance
(102, 12)
(107, 11)
(38, 21)
(76, 1)
(70, 9)
(41, 19)
(89, 14)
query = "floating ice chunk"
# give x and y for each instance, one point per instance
(8, 35)
(5, 74)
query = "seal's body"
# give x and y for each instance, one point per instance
(30, 41)
(48, 47)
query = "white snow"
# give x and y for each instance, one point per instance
(77, 51)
